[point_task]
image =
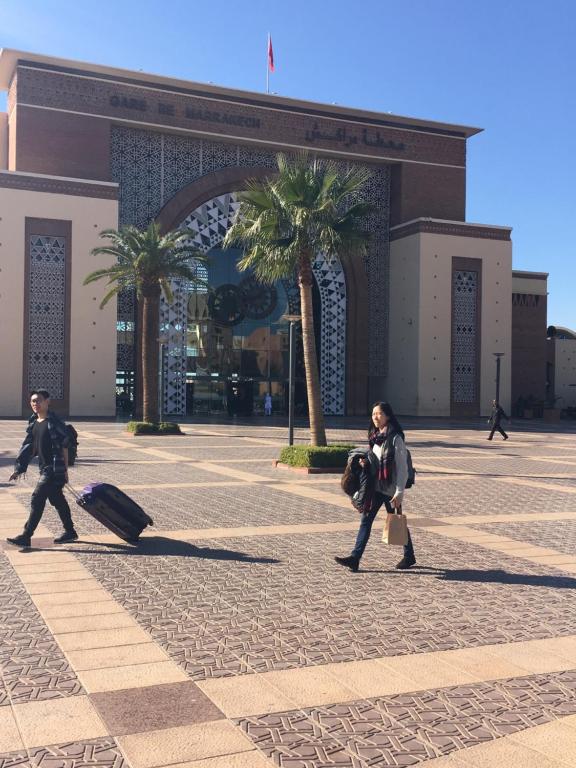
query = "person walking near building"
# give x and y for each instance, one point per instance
(268, 404)
(386, 439)
(46, 437)
(496, 420)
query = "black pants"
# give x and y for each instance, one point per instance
(497, 428)
(48, 490)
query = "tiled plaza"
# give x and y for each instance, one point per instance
(229, 638)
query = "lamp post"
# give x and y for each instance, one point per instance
(498, 356)
(292, 319)
(162, 340)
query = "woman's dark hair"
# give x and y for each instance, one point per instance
(393, 422)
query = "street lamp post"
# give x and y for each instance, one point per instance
(162, 341)
(498, 356)
(292, 319)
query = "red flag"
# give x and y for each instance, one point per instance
(270, 55)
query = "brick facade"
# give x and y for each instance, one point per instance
(65, 117)
(529, 352)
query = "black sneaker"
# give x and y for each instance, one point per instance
(406, 562)
(348, 562)
(20, 541)
(66, 538)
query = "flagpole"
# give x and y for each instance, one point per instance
(268, 65)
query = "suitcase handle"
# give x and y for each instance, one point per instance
(73, 492)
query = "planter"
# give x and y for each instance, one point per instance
(145, 428)
(332, 458)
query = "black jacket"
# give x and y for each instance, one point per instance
(59, 439)
(497, 414)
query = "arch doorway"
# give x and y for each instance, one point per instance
(226, 347)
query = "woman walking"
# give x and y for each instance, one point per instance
(386, 439)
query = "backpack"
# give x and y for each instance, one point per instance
(411, 479)
(411, 471)
(72, 444)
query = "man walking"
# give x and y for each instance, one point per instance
(496, 420)
(46, 438)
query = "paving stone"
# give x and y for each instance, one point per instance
(240, 605)
(155, 707)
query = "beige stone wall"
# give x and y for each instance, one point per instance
(496, 326)
(404, 357)
(421, 278)
(11, 139)
(565, 372)
(93, 331)
(529, 285)
(3, 141)
(435, 324)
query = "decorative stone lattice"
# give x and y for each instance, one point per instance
(377, 262)
(210, 223)
(464, 336)
(152, 167)
(331, 283)
(46, 314)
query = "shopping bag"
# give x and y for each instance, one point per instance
(395, 529)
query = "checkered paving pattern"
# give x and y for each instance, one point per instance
(101, 753)
(32, 667)
(554, 534)
(231, 506)
(233, 607)
(221, 609)
(408, 729)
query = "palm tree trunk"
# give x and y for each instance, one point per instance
(150, 329)
(315, 413)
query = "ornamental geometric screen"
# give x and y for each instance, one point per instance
(151, 167)
(46, 314)
(331, 283)
(464, 336)
(209, 223)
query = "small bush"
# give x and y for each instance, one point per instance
(147, 428)
(333, 456)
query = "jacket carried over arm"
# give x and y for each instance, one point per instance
(59, 440)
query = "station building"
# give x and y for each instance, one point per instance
(85, 147)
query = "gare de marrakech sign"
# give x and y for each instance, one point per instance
(368, 137)
(192, 113)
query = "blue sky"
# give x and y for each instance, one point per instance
(507, 66)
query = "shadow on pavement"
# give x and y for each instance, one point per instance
(489, 576)
(159, 546)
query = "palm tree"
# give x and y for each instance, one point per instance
(146, 260)
(309, 207)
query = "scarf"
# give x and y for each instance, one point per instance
(387, 466)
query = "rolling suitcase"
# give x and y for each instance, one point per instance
(114, 509)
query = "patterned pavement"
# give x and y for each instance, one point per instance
(230, 639)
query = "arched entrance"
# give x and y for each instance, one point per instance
(233, 333)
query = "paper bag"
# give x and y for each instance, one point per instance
(395, 530)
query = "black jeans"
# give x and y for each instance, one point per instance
(366, 527)
(47, 490)
(497, 428)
